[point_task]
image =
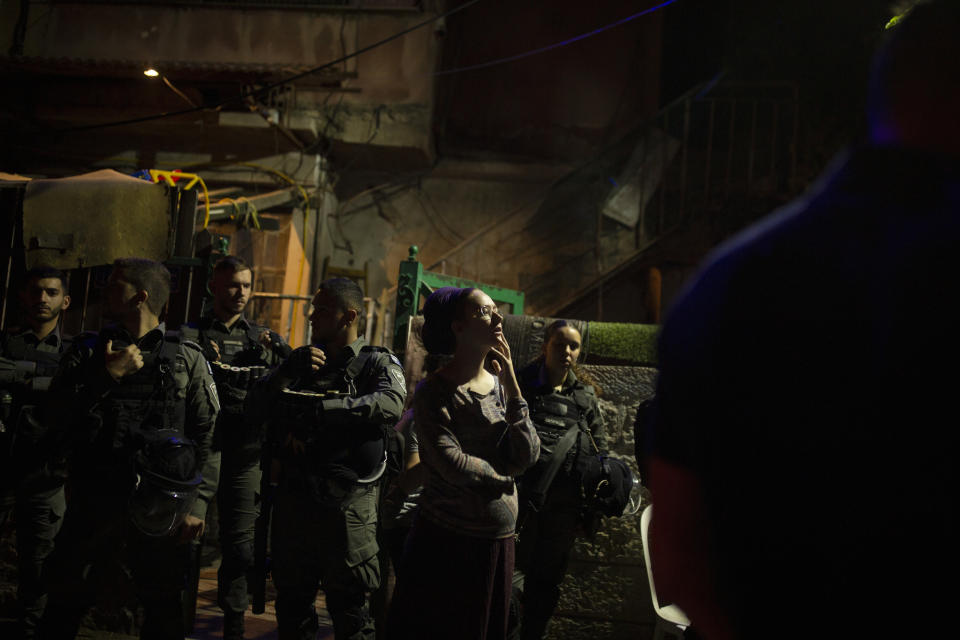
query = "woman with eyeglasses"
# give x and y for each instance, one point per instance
(564, 410)
(475, 435)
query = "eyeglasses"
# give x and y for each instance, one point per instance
(486, 312)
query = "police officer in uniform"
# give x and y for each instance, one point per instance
(239, 353)
(552, 507)
(118, 393)
(332, 403)
(32, 485)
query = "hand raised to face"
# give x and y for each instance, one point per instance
(502, 365)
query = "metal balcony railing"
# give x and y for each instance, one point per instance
(712, 150)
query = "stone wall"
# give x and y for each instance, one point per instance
(605, 594)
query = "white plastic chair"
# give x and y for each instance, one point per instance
(671, 620)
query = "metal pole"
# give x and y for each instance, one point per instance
(730, 144)
(683, 165)
(663, 169)
(753, 144)
(796, 133)
(386, 327)
(86, 298)
(13, 240)
(706, 183)
(773, 143)
(280, 296)
(368, 333)
(186, 304)
(639, 230)
(293, 303)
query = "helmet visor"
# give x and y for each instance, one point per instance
(157, 510)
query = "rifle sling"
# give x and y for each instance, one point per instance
(538, 493)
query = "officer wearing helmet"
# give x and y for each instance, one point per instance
(31, 484)
(137, 405)
(239, 353)
(330, 404)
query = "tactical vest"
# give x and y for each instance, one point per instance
(553, 414)
(25, 383)
(145, 400)
(354, 375)
(36, 366)
(330, 452)
(240, 365)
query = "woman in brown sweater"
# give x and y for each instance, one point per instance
(475, 438)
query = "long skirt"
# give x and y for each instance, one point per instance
(451, 586)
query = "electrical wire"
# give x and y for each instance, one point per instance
(556, 45)
(279, 174)
(267, 88)
(421, 194)
(482, 65)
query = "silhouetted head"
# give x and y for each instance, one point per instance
(914, 95)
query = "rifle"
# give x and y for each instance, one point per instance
(261, 533)
(192, 590)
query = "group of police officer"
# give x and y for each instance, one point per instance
(145, 427)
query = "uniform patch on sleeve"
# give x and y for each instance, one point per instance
(212, 394)
(398, 376)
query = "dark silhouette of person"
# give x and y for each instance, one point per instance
(804, 432)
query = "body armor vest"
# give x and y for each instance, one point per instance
(552, 415)
(25, 383)
(145, 400)
(34, 367)
(345, 455)
(242, 362)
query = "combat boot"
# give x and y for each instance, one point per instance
(232, 625)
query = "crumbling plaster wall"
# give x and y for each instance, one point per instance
(389, 89)
(441, 211)
(393, 72)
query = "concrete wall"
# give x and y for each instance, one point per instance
(397, 72)
(438, 212)
(559, 104)
(82, 64)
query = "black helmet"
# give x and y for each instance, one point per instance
(607, 485)
(168, 482)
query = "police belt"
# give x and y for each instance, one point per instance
(238, 377)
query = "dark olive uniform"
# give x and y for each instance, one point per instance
(240, 360)
(325, 513)
(100, 418)
(32, 485)
(547, 535)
